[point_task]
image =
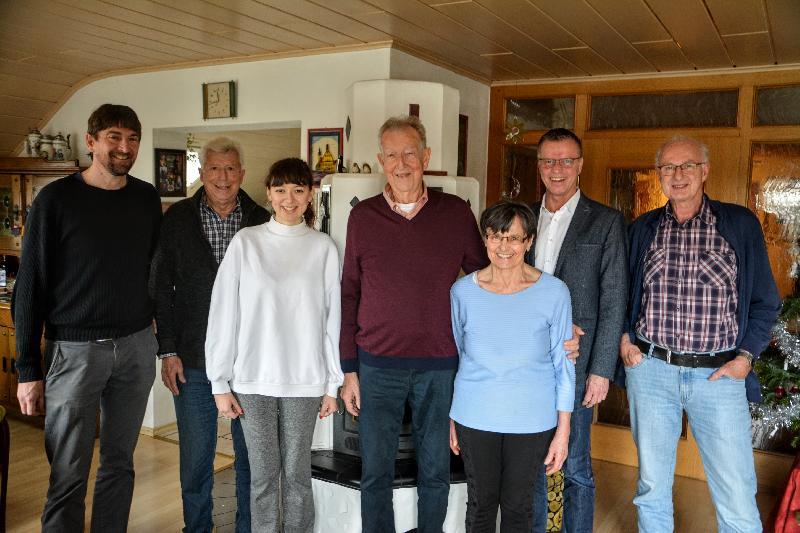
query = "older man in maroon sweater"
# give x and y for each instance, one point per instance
(404, 250)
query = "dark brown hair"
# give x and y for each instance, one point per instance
(499, 217)
(112, 115)
(293, 171)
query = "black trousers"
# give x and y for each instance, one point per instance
(501, 469)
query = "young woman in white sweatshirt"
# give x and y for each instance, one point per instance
(272, 347)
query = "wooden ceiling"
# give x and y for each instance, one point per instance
(50, 47)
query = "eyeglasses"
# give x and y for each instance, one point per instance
(408, 157)
(514, 240)
(669, 169)
(566, 162)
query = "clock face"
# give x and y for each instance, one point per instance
(219, 100)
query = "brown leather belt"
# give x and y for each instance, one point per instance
(687, 359)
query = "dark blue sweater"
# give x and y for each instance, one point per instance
(759, 302)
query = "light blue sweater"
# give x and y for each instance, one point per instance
(513, 374)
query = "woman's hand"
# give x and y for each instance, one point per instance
(454, 439)
(327, 407)
(227, 405)
(557, 453)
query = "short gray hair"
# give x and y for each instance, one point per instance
(220, 145)
(677, 139)
(400, 123)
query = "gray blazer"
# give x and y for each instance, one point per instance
(593, 263)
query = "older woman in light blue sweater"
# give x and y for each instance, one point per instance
(515, 388)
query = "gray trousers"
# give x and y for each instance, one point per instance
(114, 375)
(278, 432)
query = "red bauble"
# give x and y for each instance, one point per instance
(780, 392)
(795, 389)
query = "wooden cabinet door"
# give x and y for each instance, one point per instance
(5, 369)
(12, 376)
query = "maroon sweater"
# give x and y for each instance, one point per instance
(396, 282)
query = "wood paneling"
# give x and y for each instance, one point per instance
(588, 26)
(588, 61)
(526, 45)
(694, 31)
(741, 16)
(527, 17)
(784, 23)
(434, 22)
(633, 19)
(60, 44)
(748, 49)
(664, 55)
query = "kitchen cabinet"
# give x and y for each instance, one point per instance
(8, 358)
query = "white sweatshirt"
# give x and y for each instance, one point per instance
(273, 326)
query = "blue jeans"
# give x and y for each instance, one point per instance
(718, 414)
(196, 414)
(383, 397)
(578, 497)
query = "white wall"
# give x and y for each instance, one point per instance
(474, 103)
(307, 89)
(370, 103)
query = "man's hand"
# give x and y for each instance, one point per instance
(737, 368)
(454, 447)
(351, 393)
(630, 353)
(31, 397)
(572, 346)
(227, 405)
(596, 390)
(171, 372)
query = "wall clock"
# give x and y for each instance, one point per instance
(219, 99)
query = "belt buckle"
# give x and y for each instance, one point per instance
(669, 356)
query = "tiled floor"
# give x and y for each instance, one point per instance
(224, 493)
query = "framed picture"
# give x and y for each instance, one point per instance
(324, 148)
(170, 172)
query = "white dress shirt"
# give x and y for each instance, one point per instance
(551, 232)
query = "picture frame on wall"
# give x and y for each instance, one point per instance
(170, 172)
(324, 148)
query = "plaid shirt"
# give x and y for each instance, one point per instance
(219, 231)
(689, 299)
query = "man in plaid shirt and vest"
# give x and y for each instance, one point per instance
(703, 301)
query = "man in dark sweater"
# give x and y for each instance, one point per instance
(89, 238)
(404, 250)
(194, 236)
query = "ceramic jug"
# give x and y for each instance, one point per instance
(46, 148)
(60, 147)
(32, 142)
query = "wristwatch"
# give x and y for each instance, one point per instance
(747, 355)
(172, 354)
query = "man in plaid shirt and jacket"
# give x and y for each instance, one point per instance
(703, 301)
(194, 237)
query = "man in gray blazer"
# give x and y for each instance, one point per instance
(584, 244)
